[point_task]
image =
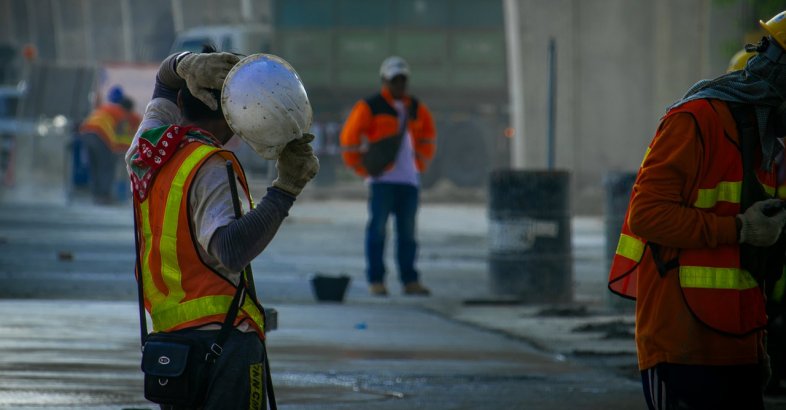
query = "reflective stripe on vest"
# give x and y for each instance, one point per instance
(725, 191)
(165, 294)
(779, 287)
(630, 247)
(716, 278)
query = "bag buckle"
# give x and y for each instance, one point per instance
(215, 352)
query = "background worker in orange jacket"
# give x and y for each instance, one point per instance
(703, 237)
(107, 133)
(390, 138)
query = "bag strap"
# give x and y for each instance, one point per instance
(248, 275)
(751, 187)
(140, 297)
(226, 327)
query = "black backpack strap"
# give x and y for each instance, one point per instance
(765, 264)
(744, 117)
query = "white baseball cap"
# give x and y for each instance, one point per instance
(393, 66)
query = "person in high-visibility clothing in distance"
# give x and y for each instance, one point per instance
(192, 248)
(703, 237)
(389, 138)
(107, 134)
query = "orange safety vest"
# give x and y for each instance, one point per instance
(377, 119)
(113, 124)
(181, 291)
(716, 289)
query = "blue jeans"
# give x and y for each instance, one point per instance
(103, 167)
(402, 201)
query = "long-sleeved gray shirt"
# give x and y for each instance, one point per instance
(226, 244)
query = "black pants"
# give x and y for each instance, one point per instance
(670, 386)
(103, 166)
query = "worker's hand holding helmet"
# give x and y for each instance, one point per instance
(265, 104)
(205, 71)
(296, 165)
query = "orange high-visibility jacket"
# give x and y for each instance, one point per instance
(180, 290)
(113, 124)
(376, 119)
(716, 289)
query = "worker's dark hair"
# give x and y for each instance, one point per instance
(193, 108)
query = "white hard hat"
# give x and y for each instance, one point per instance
(393, 66)
(265, 103)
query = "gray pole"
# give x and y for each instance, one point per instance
(515, 81)
(57, 27)
(177, 15)
(128, 38)
(87, 27)
(552, 102)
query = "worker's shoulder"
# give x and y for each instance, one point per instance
(702, 106)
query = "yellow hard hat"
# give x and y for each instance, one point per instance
(776, 28)
(739, 60)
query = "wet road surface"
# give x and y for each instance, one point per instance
(69, 334)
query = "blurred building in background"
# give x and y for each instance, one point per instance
(619, 64)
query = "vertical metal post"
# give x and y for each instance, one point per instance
(177, 15)
(128, 40)
(515, 81)
(87, 28)
(57, 27)
(552, 103)
(246, 11)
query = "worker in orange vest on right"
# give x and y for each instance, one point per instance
(776, 305)
(703, 237)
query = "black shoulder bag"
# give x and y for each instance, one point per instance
(177, 367)
(382, 153)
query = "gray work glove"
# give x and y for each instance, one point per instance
(759, 229)
(206, 71)
(296, 165)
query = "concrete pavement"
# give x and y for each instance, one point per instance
(394, 352)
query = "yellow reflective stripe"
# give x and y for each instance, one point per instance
(725, 191)
(630, 247)
(715, 278)
(780, 285)
(151, 292)
(251, 309)
(170, 268)
(199, 308)
(167, 318)
(771, 191)
(646, 154)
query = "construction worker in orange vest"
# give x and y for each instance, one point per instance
(107, 134)
(192, 248)
(776, 327)
(703, 237)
